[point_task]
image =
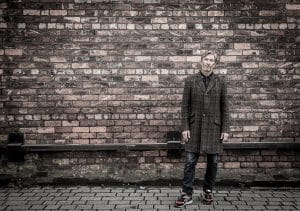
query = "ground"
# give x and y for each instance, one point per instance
(144, 198)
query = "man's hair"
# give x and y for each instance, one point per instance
(215, 53)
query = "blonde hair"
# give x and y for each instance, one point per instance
(215, 53)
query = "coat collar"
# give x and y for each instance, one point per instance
(201, 83)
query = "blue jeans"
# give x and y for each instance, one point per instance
(189, 172)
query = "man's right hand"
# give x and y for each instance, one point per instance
(186, 135)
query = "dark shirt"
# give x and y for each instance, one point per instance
(206, 80)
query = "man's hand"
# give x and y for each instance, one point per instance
(224, 137)
(186, 135)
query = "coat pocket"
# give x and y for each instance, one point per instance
(217, 122)
(192, 118)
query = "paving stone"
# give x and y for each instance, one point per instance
(287, 207)
(135, 194)
(113, 198)
(33, 207)
(123, 206)
(54, 202)
(84, 206)
(258, 207)
(52, 207)
(35, 202)
(122, 194)
(238, 202)
(159, 207)
(92, 198)
(73, 198)
(243, 207)
(224, 207)
(19, 208)
(97, 202)
(3, 207)
(104, 207)
(138, 202)
(105, 194)
(145, 206)
(64, 202)
(17, 202)
(79, 202)
(133, 198)
(119, 202)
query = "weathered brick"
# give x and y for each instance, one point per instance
(58, 12)
(57, 59)
(249, 165)
(31, 12)
(292, 6)
(232, 165)
(98, 129)
(267, 13)
(46, 130)
(266, 164)
(113, 73)
(13, 52)
(81, 129)
(241, 45)
(215, 13)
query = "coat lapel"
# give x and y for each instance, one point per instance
(200, 82)
(211, 83)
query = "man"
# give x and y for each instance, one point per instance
(205, 126)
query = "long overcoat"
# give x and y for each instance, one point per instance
(205, 113)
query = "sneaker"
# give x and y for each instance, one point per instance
(183, 200)
(207, 197)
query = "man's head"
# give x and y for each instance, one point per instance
(208, 62)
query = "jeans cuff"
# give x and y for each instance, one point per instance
(187, 192)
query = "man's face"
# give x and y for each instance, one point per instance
(208, 64)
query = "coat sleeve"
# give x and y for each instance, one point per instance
(224, 109)
(185, 106)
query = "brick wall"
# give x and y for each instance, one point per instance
(93, 71)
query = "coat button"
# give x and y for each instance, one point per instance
(203, 115)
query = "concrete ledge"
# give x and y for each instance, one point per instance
(146, 147)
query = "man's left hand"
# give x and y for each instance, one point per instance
(224, 137)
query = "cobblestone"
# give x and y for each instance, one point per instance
(143, 199)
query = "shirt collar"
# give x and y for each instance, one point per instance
(206, 76)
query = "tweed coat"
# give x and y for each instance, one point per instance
(205, 113)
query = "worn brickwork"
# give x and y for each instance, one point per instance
(246, 166)
(112, 71)
(89, 72)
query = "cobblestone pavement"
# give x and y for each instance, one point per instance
(143, 198)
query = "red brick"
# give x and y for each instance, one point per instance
(232, 165)
(87, 135)
(150, 153)
(80, 141)
(63, 129)
(266, 164)
(52, 123)
(249, 165)
(58, 12)
(81, 129)
(46, 130)
(269, 152)
(13, 52)
(31, 12)
(283, 164)
(70, 123)
(98, 129)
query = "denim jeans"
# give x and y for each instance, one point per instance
(189, 172)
